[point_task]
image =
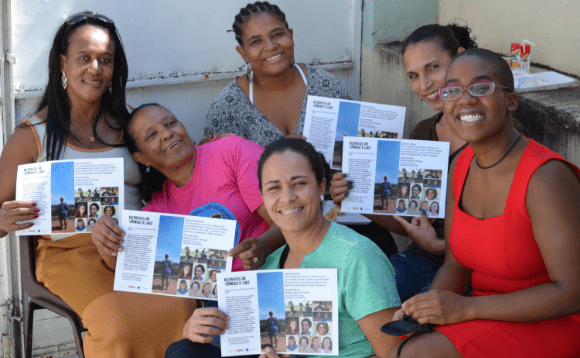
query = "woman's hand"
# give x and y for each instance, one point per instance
(270, 353)
(108, 236)
(339, 187)
(204, 323)
(438, 307)
(399, 314)
(214, 137)
(247, 250)
(422, 232)
(15, 211)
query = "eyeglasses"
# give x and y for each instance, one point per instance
(82, 16)
(480, 89)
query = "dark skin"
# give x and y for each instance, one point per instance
(165, 145)
(278, 87)
(88, 65)
(425, 65)
(556, 228)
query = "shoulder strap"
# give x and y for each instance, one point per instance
(461, 169)
(251, 85)
(534, 156)
(302, 74)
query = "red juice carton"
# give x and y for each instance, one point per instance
(520, 57)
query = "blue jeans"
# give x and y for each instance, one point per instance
(187, 349)
(414, 272)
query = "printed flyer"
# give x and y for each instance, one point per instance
(71, 194)
(329, 120)
(396, 176)
(293, 311)
(175, 255)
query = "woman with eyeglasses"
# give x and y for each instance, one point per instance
(510, 236)
(80, 116)
(426, 55)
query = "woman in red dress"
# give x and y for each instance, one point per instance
(509, 232)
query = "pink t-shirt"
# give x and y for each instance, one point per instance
(226, 173)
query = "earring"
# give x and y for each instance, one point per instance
(322, 198)
(111, 87)
(64, 81)
(148, 169)
(249, 73)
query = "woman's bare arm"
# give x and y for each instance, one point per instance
(20, 149)
(556, 230)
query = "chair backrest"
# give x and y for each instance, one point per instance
(33, 288)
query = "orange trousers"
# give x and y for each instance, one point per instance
(119, 324)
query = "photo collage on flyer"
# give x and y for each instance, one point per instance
(418, 190)
(195, 275)
(91, 204)
(308, 326)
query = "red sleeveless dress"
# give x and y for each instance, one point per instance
(504, 257)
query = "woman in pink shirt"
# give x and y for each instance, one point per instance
(180, 178)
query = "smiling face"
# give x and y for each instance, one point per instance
(206, 289)
(315, 343)
(291, 342)
(434, 207)
(303, 343)
(290, 192)
(424, 206)
(404, 190)
(426, 63)
(94, 210)
(186, 270)
(430, 194)
(109, 211)
(88, 64)
(416, 190)
(183, 286)
(293, 325)
(198, 271)
(82, 209)
(477, 119)
(195, 288)
(326, 343)
(401, 205)
(267, 44)
(321, 329)
(213, 276)
(162, 140)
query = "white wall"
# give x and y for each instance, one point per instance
(551, 24)
(180, 56)
(179, 52)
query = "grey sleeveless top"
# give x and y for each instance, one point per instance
(71, 152)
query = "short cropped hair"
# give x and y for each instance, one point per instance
(501, 67)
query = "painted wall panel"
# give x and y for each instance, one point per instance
(551, 24)
(177, 37)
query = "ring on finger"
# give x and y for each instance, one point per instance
(255, 260)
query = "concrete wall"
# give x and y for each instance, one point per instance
(383, 78)
(179, 53)
(551, 24)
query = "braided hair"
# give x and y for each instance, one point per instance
(450, 37)
(257, 8)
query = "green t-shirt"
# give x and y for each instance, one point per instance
(366, 282)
